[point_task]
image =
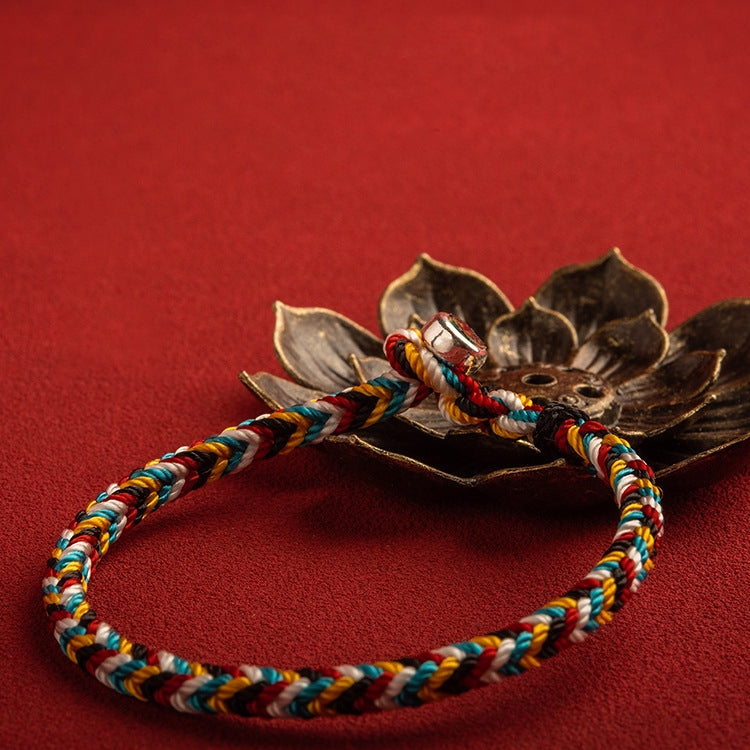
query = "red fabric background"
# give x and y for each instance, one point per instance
(170, 169)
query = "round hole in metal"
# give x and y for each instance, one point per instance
(588, 391)
(539, 378)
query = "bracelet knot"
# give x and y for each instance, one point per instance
(552, 424)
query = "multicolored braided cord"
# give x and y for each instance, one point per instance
(151, 674)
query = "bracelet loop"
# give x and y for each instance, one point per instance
(440, 364)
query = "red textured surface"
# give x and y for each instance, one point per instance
(170, 169)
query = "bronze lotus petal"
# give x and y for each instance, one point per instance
(591, 336)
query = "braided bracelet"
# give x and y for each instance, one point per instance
(440, 359)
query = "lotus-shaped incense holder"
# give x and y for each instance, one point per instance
(591, 336)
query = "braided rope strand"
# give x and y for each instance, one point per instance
(155, 675)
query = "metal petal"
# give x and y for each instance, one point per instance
(427, 419)
(368, 368)
(466, 458)
(314, 346)
(277, 393)
(429, 287)
(622, 349)
(723, 423)
(531, 334)
(724, 325)
(674, 382)
(591, 294)
(637, 423)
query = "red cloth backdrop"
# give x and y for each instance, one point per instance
(170, 169)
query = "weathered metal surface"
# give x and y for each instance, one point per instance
(592, 336)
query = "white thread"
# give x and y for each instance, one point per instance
(394, 687)
(79, 546)
(334, 418)
(593, 449)
(635, 556)
(515, 426)
(508, 398)
(180, 697)
(350, 671)
(104, 671)
(69, 592)
(102, 633)
(451, 652)
(117, 506)
(507, 646)
(536, 618)
(277, 707)
(252, 672)
(63, 624)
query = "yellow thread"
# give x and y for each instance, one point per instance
(218, 471)
(525, 400)
(81, 609)
(220, 449)
(528, 662)
(197, 668)
(645, 533)
(134, 680)
(217, 705)
(72, 566)
(565, 602)
(431, 687)
(538, 638)
(609, 589)
(614, 556)
(504, 433)
(444, 671)
(576, 442)
(485, 641)
(630, 508)
(319, 704)
(456, 414)
(97, 522)
(78, 642)
(392, 667)
(150, 505)
(383, 396)
(302, 424)
(148, 483)
(228, 689)
(617, 467)
(225, 692)
(289, 675)
(104, 544)
(416, 364)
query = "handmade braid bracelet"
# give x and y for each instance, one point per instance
(439, 359)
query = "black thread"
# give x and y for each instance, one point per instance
(549, 421)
